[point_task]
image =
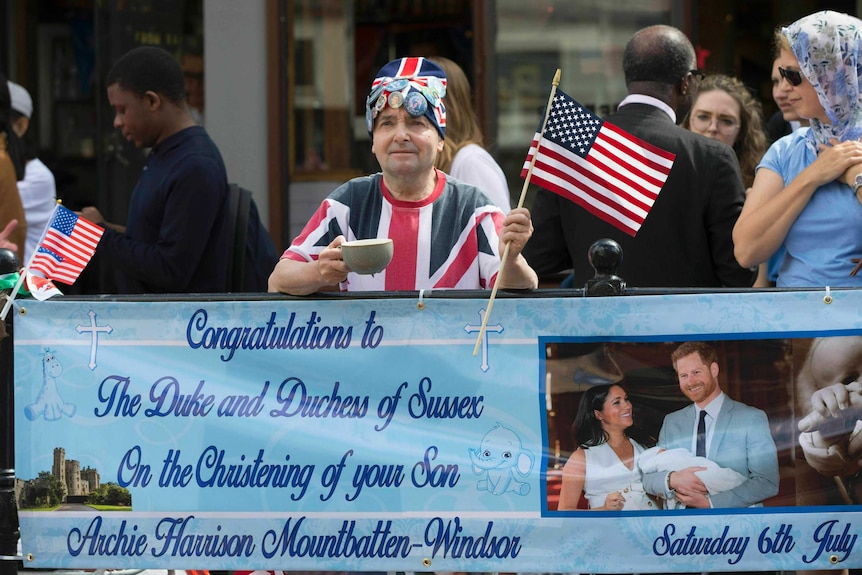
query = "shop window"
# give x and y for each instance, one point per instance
(320, 76)
(583, 38)
(334, 51)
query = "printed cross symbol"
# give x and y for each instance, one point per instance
(496, 328)
(94, 331)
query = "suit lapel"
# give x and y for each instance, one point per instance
(687, 421)
(722, 424)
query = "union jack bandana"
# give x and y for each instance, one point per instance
(417, 84)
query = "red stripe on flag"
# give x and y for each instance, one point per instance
(612, 149)
(581, 199)
(576, 176)
(65, 273)
(599, 182)
(642, 143)
(579, 192)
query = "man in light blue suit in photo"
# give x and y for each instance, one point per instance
(732, 434)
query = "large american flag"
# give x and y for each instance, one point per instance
(605, 170)
(69, 243)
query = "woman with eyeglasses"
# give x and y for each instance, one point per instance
(805, 190)
(726, 111)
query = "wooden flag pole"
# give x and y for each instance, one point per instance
(554, 85)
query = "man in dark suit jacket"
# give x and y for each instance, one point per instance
(686, 238)
(735, 436)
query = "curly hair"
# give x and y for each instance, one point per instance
(751, 143)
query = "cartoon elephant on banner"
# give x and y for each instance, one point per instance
(502, 463)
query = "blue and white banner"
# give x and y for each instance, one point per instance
(364, 435)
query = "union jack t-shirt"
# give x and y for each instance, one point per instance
(449, 240)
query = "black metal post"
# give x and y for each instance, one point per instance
(9, 532)
(605, 255)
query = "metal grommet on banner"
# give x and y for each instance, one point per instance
(426, 562)
(29, 557)
(827, 299)
(834, 559)
(421, 303)
(19, 309)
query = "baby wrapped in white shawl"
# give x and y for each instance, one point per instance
(715, 478)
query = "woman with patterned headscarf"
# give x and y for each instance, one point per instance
(807, 193)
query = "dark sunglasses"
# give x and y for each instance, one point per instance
(793, 77)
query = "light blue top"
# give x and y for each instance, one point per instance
(828, 232)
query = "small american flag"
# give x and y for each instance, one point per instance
(67, 246)
(605, 170)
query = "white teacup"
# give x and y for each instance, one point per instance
(369, 256)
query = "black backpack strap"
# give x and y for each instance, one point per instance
(239, 200)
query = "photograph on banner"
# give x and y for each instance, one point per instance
(782, 423)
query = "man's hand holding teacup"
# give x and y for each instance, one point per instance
(330, 264)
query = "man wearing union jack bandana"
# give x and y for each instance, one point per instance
(446, 234)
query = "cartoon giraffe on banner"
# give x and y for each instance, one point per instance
(49, 404)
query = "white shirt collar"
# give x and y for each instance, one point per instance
(713, 407)
(644, 99)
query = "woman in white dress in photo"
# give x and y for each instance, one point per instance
(604, 468)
